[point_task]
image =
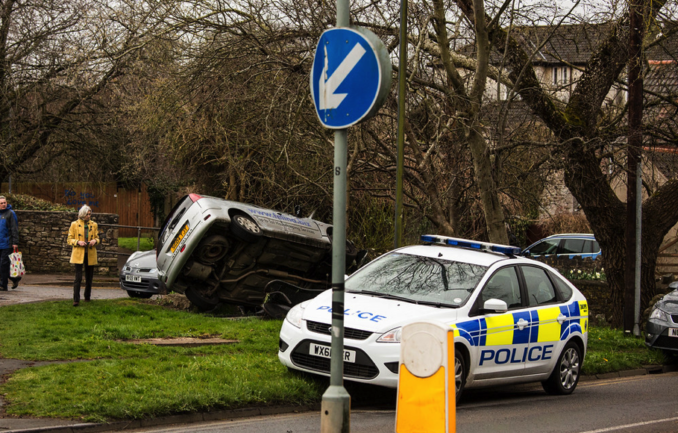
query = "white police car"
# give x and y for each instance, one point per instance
(515, 319)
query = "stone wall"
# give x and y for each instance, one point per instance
(42, 241)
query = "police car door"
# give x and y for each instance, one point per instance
(504, 337)
(547, 318)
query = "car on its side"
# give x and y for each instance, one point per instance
(565, 245)
(139, 276)
(661, 330)
(220, 251)
(514, 319)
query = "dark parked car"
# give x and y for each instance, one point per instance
(565, 245)
(214, 250)
(661, 331)
(139, 276)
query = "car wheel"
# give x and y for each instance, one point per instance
(245, 228)
(565, 375)
(201, 301)
(459, 374)
(211, 249)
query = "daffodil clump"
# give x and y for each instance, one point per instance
(578, 274)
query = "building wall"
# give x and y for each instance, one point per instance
(42, 241)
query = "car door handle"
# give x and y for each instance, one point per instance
(561, 318)
(522, 323)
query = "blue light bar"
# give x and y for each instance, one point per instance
(476, 245)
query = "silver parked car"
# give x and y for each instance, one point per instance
(139, 276)
(214, 250)
(661, 331)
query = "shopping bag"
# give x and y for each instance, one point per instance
(16, 265)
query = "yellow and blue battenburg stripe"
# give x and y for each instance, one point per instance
(540, 325)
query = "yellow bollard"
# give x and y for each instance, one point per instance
(426, 387)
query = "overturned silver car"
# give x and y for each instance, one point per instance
(219, 251)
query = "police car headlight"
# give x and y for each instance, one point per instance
(658, 314)
(294, 315)
(392, 336)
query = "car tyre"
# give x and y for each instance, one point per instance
(142, 295)
(460, 372)
(566, 373)
(245, 228)
(201, 301)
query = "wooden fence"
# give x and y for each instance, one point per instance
(132, 206)
(667, 263)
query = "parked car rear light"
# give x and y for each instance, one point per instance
(194, 197)
(183, 248)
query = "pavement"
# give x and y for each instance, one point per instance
(50, 287)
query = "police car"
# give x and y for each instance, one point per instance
(514, 319)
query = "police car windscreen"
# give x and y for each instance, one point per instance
(417, 278)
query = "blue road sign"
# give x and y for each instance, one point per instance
(351, 76)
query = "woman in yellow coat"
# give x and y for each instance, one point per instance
(83, 236)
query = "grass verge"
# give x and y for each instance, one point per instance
(610, 350)
(145, 244)
(123, 381)
(137, 381)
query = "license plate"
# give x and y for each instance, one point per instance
(673, 332)
(326, 352)
(133, 278)
(179, 238)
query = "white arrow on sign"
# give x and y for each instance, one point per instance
(327, 86)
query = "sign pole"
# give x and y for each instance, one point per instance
(402, 88)
(336, 403)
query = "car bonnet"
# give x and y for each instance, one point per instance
(669, 303)
(374, 314)
(144, 260)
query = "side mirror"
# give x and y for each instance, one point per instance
(495, 305)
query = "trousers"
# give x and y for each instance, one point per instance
(89, 275)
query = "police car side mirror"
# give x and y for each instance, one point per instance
(495, 305)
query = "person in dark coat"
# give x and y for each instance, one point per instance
(9, 240)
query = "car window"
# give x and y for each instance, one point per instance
(549, 246)
(416, 278)
(572, 246)
(539, 287)
(563, 288)
(172, 219)
(503, 285)
(596, 247)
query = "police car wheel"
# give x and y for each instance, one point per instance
(245, 228)
(459, 375)
(565, 375)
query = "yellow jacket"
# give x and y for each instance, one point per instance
(77, 233)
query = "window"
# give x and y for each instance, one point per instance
(504, 286)
(572, 246)
(596, 247)
(555, 76)
(564, 70)
(563, 288)
(539, 287)
(549, 246)
(418, 279)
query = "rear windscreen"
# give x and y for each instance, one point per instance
(173, 219)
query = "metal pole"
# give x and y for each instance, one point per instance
(402, 85)
(138, 238)
(336, 403)
(639, 219)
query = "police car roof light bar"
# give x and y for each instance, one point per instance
(465, 243)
